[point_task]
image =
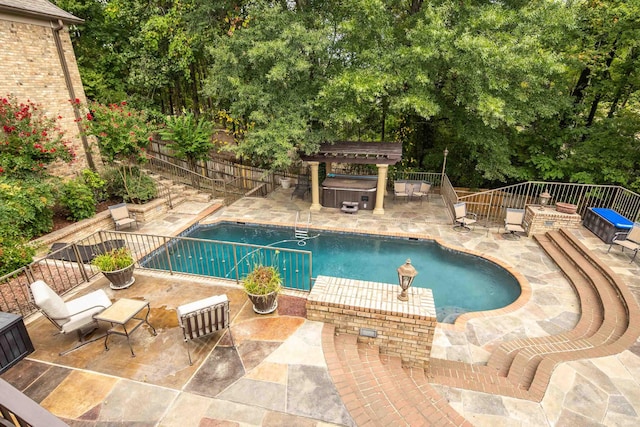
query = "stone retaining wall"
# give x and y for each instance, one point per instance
(403, 329)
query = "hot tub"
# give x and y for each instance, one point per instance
(605, 223)
(346, 188)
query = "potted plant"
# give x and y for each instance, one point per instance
(262, 285)
(117, 266)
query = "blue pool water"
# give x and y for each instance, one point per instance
(460, 282)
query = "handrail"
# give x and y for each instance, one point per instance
(19, 410)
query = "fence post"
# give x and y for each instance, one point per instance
(235, 263)
(83, 272)
(166, 251)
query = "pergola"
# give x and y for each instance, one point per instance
(381, 154)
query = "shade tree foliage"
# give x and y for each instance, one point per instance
(514, 90)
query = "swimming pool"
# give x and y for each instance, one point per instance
(460, 282)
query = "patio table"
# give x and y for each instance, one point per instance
(124, 318)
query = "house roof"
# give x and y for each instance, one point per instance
(371, 153)
(42, 9)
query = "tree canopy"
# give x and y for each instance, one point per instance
(514, 90)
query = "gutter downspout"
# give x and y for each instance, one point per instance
(72, 94)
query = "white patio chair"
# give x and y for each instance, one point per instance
(513, 223)
(463, 219)
(400, 190)
(423, 191)
(121, 216)
(630, 241)
(72, 316)
(204, 317)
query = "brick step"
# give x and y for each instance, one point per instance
(335, 349)
(377, 391)
(590, 316)
(423, 401)
(604, 304)
(383, 400)
(470, 377)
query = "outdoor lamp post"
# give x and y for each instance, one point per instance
(444, 165)
(406, 274)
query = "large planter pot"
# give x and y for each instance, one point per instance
(120, 279)
(567, 208)
(285, 182)
(264, 304)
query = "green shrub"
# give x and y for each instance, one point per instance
(26, 206)
(95, 183)
(115, 260)
(15, 252)
(78, 199)
(129, 184)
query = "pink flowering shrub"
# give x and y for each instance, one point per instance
(29, 141)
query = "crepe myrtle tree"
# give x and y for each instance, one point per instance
(123, 134)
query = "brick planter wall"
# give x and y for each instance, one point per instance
(404, 329)
(539, 221)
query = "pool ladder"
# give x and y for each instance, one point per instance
(302, 233)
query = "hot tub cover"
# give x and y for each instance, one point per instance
(614, 218)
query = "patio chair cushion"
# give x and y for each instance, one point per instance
(50, 302)
(71, 315)
(83, 309)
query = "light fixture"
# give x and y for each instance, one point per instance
(545, 197)
(406, 274)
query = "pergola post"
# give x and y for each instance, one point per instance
(382, 186)
(315, 186)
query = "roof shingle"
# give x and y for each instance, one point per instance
(37, 9)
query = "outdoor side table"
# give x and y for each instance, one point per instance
(15, 343)
(125, 317)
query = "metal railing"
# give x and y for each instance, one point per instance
(433, 177)
(182, 175)
(187, 255)
(491, 205)
(62, 275)
(16, 409)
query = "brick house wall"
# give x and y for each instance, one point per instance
(30, 69)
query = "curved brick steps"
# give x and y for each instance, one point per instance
(377, 391)
(609, 324)
(590, 319)
(605, 309)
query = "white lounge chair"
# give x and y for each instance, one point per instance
(72, 316)
(423, 191)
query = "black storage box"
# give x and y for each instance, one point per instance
(15, 343)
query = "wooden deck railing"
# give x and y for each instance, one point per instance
(16, 409)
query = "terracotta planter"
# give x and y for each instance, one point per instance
(120, 279)
(567, 208)
(264, 304)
